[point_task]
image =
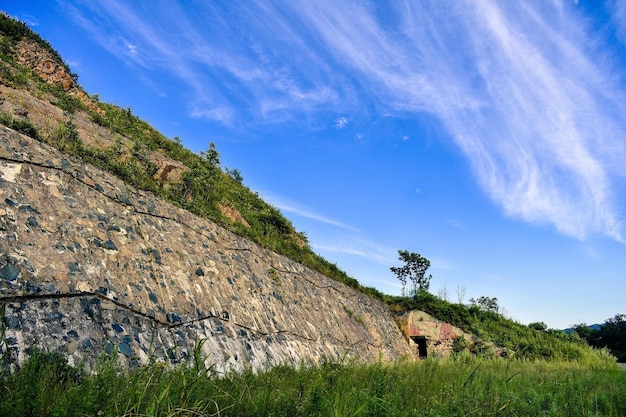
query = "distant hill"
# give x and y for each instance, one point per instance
(609, 335)
(594, 327)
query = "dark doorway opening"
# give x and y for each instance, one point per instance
(422, 350)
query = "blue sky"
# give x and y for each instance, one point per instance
(488, 136)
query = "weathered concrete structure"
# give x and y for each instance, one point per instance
(428, 336)
(90, 265)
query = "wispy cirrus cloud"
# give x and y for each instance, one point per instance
(454, 223)
(361, 247)
(290, 206)
(619, 19)
(519, 89)
(246, 53)
(340, 238)
(524, 89)
(30, 20)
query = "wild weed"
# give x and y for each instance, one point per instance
(462, 385)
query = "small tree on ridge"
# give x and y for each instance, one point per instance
(414, 268)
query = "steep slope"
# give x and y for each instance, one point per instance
(44, 101)
(90, 265)
(92, 262)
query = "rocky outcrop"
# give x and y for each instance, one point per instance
(89, 265)
(51, 70)
(167, 170)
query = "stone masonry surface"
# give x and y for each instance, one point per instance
(90, 266)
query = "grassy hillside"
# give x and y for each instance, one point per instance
(497, 335)
(204, 188)
(136, 152)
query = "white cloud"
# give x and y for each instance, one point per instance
(130, 48)
(619, 20)
(341, 238)
(341, 122)
(30, 20)
(358, 246)
(455, 224)
(539, 147)
(517, 86)
(289, 206)
(223, 115)
(523, 88)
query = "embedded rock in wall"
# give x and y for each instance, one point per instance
(89, 265)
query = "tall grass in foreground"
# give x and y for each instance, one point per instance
(461, 386)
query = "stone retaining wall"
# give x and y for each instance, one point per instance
(89, 265)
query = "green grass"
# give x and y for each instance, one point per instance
(461, 386)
